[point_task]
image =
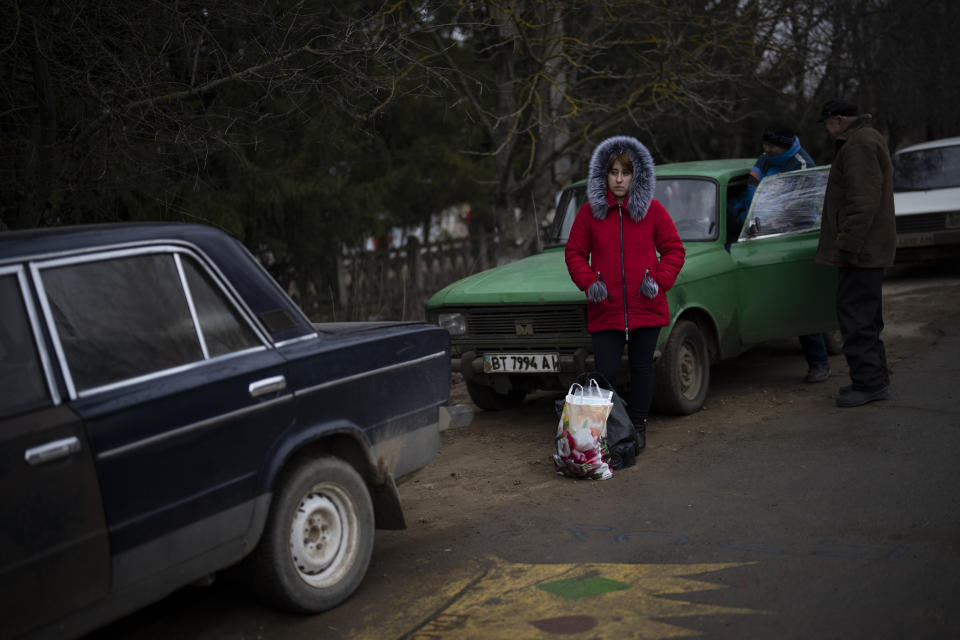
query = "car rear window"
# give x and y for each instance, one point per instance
(937, 168)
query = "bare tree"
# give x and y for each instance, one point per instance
(890, 57)
(546, 80)
(96, 96)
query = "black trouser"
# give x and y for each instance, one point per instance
(860, 316)
(814, 349)
(607, 350)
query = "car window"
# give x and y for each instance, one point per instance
(128, 316)
(691, 202)
(786, 203)
(121, 318)
(223, 330)
(927, 169)
(22, 378)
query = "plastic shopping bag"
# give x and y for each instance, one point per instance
(623, 443)
(581, 440)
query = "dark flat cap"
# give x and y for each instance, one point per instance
(837, 108)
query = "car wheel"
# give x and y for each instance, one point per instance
(318, 538)
(683, 373)
(834, 342)
(489, 400)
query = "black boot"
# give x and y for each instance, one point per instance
(640, 427)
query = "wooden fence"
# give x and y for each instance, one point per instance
(395, 283)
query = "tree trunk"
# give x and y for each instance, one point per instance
(40, 173)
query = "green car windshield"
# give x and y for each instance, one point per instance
(691, 202)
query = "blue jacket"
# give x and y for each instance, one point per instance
(792, 159)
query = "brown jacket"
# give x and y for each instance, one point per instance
(858, 227)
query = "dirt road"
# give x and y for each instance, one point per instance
(769, 514)
(502, 454)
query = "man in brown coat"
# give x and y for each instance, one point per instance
(858, 234)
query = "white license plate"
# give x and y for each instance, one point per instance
(521, 362)
(915, 240)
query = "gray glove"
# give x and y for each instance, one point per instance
(649, 286)
(597, 292)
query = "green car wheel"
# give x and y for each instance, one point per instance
(683, 373)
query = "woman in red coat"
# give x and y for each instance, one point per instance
(612, 255)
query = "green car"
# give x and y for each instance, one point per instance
(522, 327)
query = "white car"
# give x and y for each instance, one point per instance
(926, 195)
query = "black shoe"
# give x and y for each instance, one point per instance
(818, 372)
(857, 397)
(847, 388)
(622, 459)
(640, 434)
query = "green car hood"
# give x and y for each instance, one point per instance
(538, 279)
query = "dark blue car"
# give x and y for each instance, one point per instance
(167, 411)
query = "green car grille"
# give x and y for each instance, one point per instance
(532, 321)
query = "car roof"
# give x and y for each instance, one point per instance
(30, 243)
(255, 286)
(716, 169)
(932, 144)
(725, 168)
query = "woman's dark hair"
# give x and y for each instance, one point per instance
(624, 160)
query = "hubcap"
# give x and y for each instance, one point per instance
(689, 371)
(316, 534)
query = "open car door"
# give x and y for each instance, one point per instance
(782, 292)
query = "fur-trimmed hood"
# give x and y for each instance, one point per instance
(642, 183)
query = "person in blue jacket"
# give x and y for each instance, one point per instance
(781, 153)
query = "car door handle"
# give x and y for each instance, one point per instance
(52, 451)
(267, 385)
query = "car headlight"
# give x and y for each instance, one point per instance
(454, 323)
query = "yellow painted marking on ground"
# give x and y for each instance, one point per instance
(503, 600)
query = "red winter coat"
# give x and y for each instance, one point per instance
(594, 249)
